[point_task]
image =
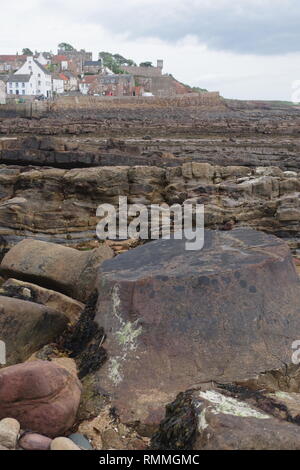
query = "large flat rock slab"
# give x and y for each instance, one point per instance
(175, 319)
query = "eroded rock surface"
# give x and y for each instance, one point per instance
(175, 319)
(60, 206)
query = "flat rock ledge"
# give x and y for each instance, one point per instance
(177, 319)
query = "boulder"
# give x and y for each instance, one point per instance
(25, 327)
(9, 431)
(211, 420)
(175, 319)
(63, 443)
(56, 267)
(34, 441)
(41, 395)
(50, 298)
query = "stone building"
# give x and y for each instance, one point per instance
(92, 66)
(144, 71)
(76, 59)
(152, 80)
(2, 92)
(87, 84)
(114, 85)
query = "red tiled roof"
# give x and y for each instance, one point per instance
(11, 58)
(59, 58)
(89, 78)
(63, 76)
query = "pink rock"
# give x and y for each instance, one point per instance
(34, 441)
(41, 395)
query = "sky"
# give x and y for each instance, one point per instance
(246, 49)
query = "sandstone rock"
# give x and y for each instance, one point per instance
(63, 443)
(52, 266)
(177, 318)
(42, 396)
(210, 420)
(34, 441)
(9, 431)
(60, 206)
(52, 299)
(67, 363)
(26, 327)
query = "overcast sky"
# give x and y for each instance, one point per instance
(247, 49)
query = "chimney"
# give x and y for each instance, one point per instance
(160, 64)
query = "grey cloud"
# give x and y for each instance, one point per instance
(240, 26)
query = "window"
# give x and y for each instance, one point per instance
(17, 85)
(39, 74)
(11, 92)
(23, 92)
(23, 85)
(30, 68)
(39, 83)
(10, 85)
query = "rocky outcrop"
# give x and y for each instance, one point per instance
(175, 319)
(60, 205)
(41, 395)
(213, 420)
(51, 299)
(67, 270)
(26, 327)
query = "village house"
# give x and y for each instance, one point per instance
(70, 81)
(86, 83)
(57, 84)
(11, 63)
(61, 62)
(21, 84)
(2, 91)
(44, 58)
(30, 79)
(92, 66)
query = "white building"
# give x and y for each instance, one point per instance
(21, 84)
(57, 84)
(2, 92)
(30, 79)
(42, 59)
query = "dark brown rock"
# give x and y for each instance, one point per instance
(51, 299)
(25, 327)
(210, 420)
(176, 318)
(42, 396)
(53, 266)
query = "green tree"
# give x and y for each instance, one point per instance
(146, 64)
(115, 61)
(27, 51)
(65, 46)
